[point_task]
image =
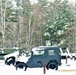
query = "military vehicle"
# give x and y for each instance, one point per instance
(49, 54)
(65, 53)
(1, 53)
(5, 51)
(12, 57)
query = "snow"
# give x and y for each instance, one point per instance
(64, 69)
(23, 57)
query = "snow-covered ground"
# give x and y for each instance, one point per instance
(64, 69)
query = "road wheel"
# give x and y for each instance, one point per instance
(52, 65)
(56, 67)
(21, 65)
(10, 61)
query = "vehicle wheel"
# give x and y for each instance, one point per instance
(10, 61)
(52, 65)
(56, 67)
(21, 65)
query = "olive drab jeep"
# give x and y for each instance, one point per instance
(51, 55)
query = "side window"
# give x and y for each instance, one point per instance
(39, 52)
(51, 52)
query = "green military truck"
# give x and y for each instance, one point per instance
(13, 54)
(5, 51)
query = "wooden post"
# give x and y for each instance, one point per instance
(44, 67)
(66, 59)
(75, 58)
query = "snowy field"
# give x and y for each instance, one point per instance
(65, 69)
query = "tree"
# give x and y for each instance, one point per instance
(61, 18)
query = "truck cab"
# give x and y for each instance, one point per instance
(51, 56)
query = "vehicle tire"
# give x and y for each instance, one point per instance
(56, 67)
(52, 65)
(21, 65)
(10, 61)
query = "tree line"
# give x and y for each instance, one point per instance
(27, 25)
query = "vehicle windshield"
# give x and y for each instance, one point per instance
(38, 52)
